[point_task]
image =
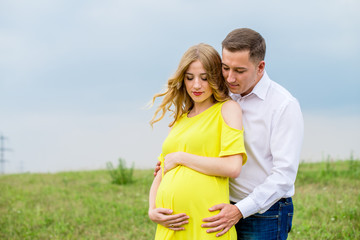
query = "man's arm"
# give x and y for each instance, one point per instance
(285, 146)
(229, 215)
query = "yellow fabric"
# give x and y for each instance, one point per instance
(187, 191)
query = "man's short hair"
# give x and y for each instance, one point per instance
(245, 39)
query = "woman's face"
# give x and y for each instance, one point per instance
(196, 83)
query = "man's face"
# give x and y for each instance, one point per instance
(240, 73)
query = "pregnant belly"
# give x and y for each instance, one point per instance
(185, 190)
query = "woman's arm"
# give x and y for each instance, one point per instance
(153, 190)
(164, 216)
(228, 166)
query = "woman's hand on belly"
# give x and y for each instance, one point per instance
(164, 217)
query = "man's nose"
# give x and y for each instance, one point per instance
(230, 77)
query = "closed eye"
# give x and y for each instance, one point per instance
(203, 77)
(189, 76)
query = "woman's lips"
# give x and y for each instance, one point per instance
(197, 93)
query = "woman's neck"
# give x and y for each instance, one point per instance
(200, 107)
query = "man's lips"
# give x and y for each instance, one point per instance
(232, 85)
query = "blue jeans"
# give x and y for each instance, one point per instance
(275, 223)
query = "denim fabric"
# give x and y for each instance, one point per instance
(275, 223)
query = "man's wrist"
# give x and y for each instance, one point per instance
(239, 214)
(247, 207)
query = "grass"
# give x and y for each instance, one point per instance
(85, 205)
(121, 174)
(74, 205)
(327, 201)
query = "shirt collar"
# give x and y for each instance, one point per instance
(234, 96)
(259, 90)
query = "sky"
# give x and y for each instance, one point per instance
(76, 76)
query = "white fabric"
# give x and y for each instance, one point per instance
(273, 132)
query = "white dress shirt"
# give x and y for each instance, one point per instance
(273, 132)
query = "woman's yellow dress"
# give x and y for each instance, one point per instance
(187, 191)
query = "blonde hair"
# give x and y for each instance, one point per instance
(176, 95)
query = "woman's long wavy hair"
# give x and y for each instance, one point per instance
(176, 99)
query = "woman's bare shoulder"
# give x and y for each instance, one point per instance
(232, 114)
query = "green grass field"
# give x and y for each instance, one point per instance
(85, 205)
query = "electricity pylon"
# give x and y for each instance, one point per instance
(2, 153)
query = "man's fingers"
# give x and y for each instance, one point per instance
(211, 223)
(157, 171)
(212, 218)
(222, 232)
(213, 227)
(217, 207)
(157, 168)
(222, 221)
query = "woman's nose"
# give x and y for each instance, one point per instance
(197, 83)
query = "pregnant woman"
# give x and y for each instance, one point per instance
(206, 126)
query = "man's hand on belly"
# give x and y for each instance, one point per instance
(228, 216)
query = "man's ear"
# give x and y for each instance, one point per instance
(261, 67)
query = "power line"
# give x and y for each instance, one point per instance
(2, 153)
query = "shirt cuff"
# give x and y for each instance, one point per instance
(247, 207)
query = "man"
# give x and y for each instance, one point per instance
(273, 125)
